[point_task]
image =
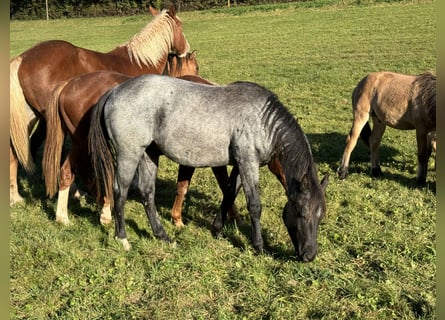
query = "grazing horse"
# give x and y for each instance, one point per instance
(35, 73)
(200, 125)
(68, 110)
(401, 101)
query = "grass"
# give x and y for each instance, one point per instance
(377, 256)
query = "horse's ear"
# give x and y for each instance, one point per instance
(172, 11)
(153, 10)
(324, 182)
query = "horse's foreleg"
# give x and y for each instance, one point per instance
(228, 200)
(184, 177)
(14, 196)
(147, 171)
(378, 130)
(66, 179)
(360, 120)
(249, 174)
(423, 153)
(222, 177)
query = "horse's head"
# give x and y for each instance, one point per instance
(177, 66)
(303, 213)
(180, 44)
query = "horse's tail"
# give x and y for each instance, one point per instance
(101, 157)
(365, 134)
(55, 136)
(19, 119)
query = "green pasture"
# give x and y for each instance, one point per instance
(377, 254)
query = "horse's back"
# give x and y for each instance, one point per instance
(47, 63)
(191, 123)
(77, 98)
(388, 95)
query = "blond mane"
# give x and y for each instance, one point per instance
(153, 42)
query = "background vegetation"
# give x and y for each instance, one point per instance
(377, 244)
(36, 9)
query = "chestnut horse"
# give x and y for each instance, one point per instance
(69, 110)
(401, 101)
(35, 73)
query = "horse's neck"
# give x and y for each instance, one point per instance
(277, 169)
(120, 61)
(288, 169)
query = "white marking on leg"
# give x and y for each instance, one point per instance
(62, 207)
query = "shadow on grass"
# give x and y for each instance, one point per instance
(328, 148)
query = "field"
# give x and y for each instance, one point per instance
(377, 252)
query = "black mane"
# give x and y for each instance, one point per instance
(290, 143)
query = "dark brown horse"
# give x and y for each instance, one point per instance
(35, 73)
(401, 101)
(69, 110)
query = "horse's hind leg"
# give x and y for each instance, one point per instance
(423, 153)
(222, 177)
(66, 179)
(14, 196)
(360, 120)
(147, 171)
(127, 162)
(105, 215)
(378, 130)
(184, 177)
(229, 196)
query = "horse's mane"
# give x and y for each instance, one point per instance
(150, 44)
(290, 143)
(424, 89)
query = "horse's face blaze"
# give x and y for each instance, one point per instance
(302, 223)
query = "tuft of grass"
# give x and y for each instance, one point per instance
(376, 245)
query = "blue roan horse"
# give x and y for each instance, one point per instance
(199, 125)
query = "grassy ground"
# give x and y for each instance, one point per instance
(377, 244)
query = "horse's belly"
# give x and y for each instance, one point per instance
(195, 152)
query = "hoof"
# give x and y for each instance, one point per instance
(421, 183)
(105, 220)
(125, 243)
(13, 199)
(216, 233)
(259, 251)
(63, 220)
(174, 245)
(342, 173)
(376, 172)
(178, 223)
